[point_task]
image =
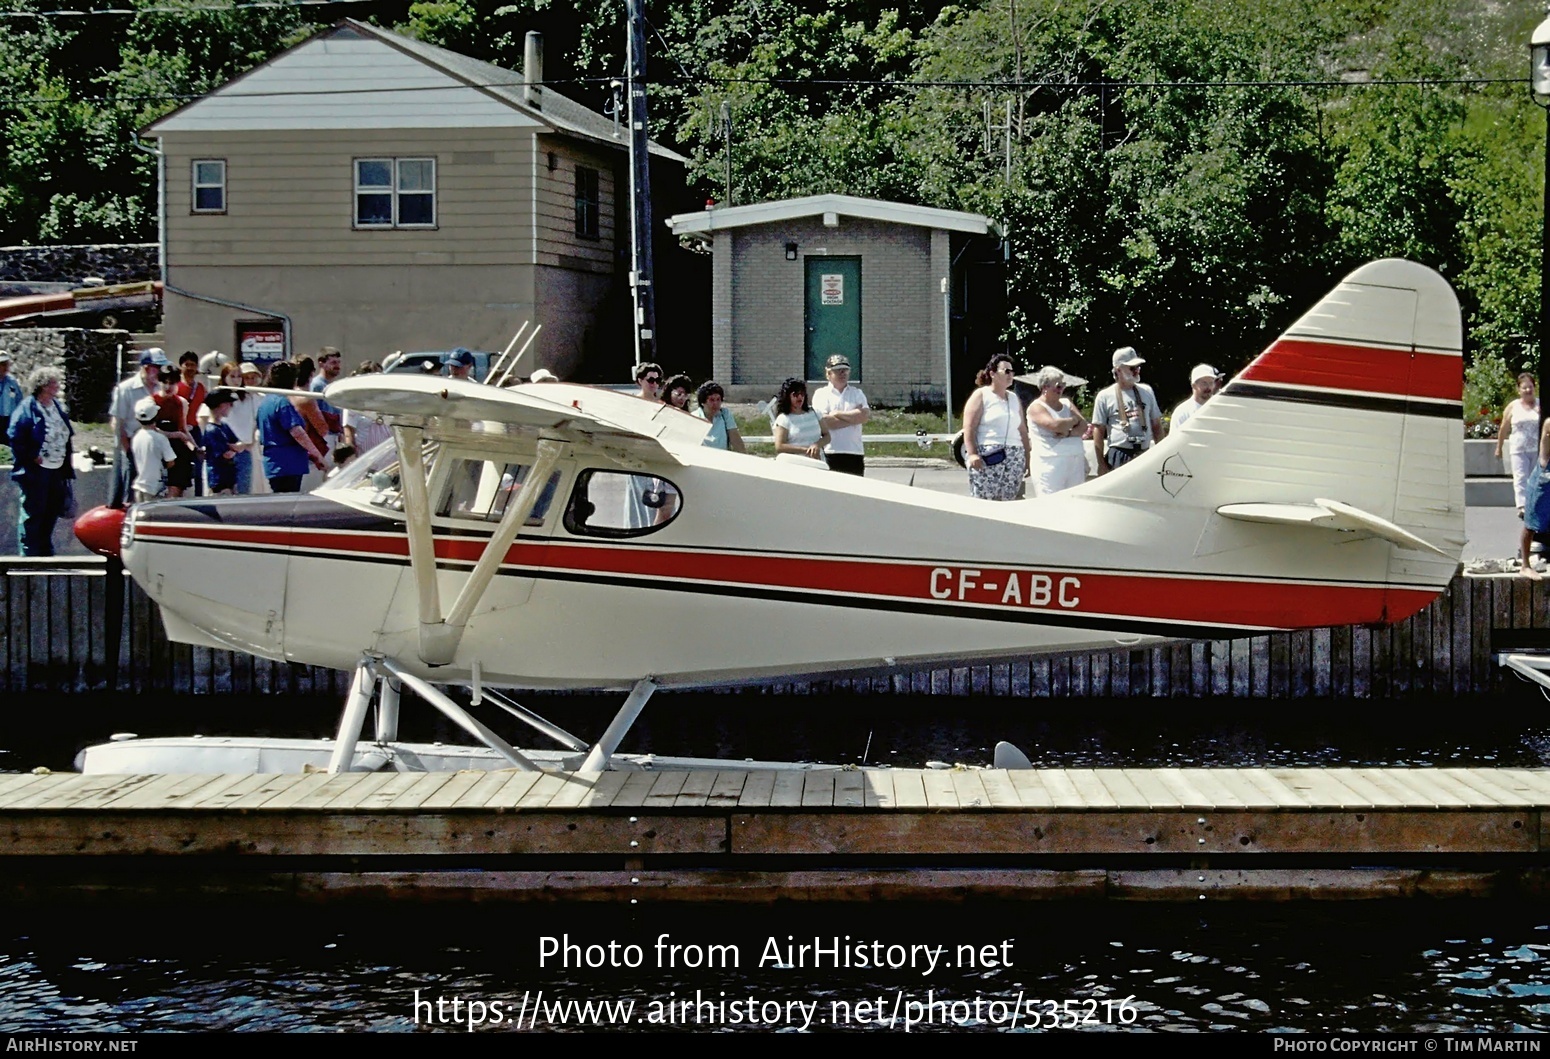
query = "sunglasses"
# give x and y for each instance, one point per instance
(1006, 371)
(653, 379)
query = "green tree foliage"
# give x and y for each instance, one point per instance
(1181, 175)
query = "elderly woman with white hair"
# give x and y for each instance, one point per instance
(1055, 428)
(40, 435)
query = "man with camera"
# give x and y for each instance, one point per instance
(1126, 414)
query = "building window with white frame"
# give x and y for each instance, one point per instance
(209, 185)
(588, 202)
(395, 193)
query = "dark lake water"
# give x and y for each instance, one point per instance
(1363, 967)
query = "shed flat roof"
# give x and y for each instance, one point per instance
(721, 218)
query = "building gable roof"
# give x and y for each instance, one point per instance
(354, 75)
(721, 218)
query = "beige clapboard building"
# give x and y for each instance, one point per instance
(375, 193)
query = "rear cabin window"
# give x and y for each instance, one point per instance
(618, 504)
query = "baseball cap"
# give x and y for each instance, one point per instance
(461, 356)
(146, 409)
(248, 368)
(155, 355)
(217, 397)
(1201, 371)
(1127, 357)
(5, 356)
(543, 375)
(839, 360)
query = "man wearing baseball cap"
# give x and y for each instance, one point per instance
(460, 364)
(1202, 384)
(1126, 414)
(842, 409)
(10, 392)
(121, 407)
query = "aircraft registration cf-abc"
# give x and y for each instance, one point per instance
(561, 536)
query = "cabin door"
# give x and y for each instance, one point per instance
(833, 313)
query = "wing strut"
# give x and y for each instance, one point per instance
(441, 634)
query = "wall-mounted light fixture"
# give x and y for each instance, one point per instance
(791, 251)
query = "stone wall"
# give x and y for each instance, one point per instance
(89, 359)
(113, 262)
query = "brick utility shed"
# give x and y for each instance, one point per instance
(797, 280)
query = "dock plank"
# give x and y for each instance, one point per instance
(1208, 783)
(224, 796)
(12, 785)
(878, 793)
(166, 790)
(999, 786)
(849, 790)
(578, 785)
(1486, 789)
(1283, 795)
(1248, 795)
(1450, 786)
(1386, 780)
(1123, 793)
(270, 787)
(1533, 782)
(58, 787)
(1156, 793)
(909, 789)
(1317, 788)
(101, 796)
(697, 787)
(939, 789)
(352, 799)
(666, 789)
(1090, 788)
(787, 791)
(446, 796)
(969, 789)
(818, 789)
(425, 785)
(1377, 795)
(603, 790)
(1031, 791)
(1189, 796)
(728, 789)
(632, 795)
(539, 794)
(758, 789)
(1428, 786)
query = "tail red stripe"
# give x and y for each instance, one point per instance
(1367, 369)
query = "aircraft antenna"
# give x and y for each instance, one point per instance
(518, 358)
(866, 750)
(499, 362)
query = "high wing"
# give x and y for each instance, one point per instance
(621, 426)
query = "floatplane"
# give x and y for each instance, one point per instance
(557, 536)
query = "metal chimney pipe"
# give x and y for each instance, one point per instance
(533, 70)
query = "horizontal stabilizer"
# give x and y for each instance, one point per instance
(1328, 514)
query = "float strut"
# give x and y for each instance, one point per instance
(354, 718)
(598, 757)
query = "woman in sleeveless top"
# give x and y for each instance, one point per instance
(1057, 459)
(995, 434)
(1520, 431)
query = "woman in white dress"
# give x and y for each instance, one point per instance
(1057, 460)
(995, 433)
(798, 429)
(1520, 432)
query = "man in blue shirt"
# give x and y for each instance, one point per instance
(10, 392)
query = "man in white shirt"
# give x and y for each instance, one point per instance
(126, 395)
(1126, 414)
(1202, 384)
(842, 409)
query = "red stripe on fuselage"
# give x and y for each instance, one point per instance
(1223, 601)
(1366, 369)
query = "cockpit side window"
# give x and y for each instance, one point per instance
(621, 504)
(481, 489)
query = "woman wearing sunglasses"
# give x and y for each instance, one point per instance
(995, 434)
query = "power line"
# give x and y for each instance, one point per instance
(1001, 86)
(180, 10)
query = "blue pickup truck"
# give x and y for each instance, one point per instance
(419, 363)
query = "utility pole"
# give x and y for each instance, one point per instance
(645, 322)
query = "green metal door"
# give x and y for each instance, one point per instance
(833, 313)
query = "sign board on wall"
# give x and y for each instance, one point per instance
(260, 341)
(832, 289)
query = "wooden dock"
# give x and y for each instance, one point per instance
(764, 836)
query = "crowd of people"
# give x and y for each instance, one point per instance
(1005, 444)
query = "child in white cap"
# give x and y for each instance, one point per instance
(152, 451)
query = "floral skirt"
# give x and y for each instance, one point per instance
(1000, 482)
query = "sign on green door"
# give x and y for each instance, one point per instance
(833, 313)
